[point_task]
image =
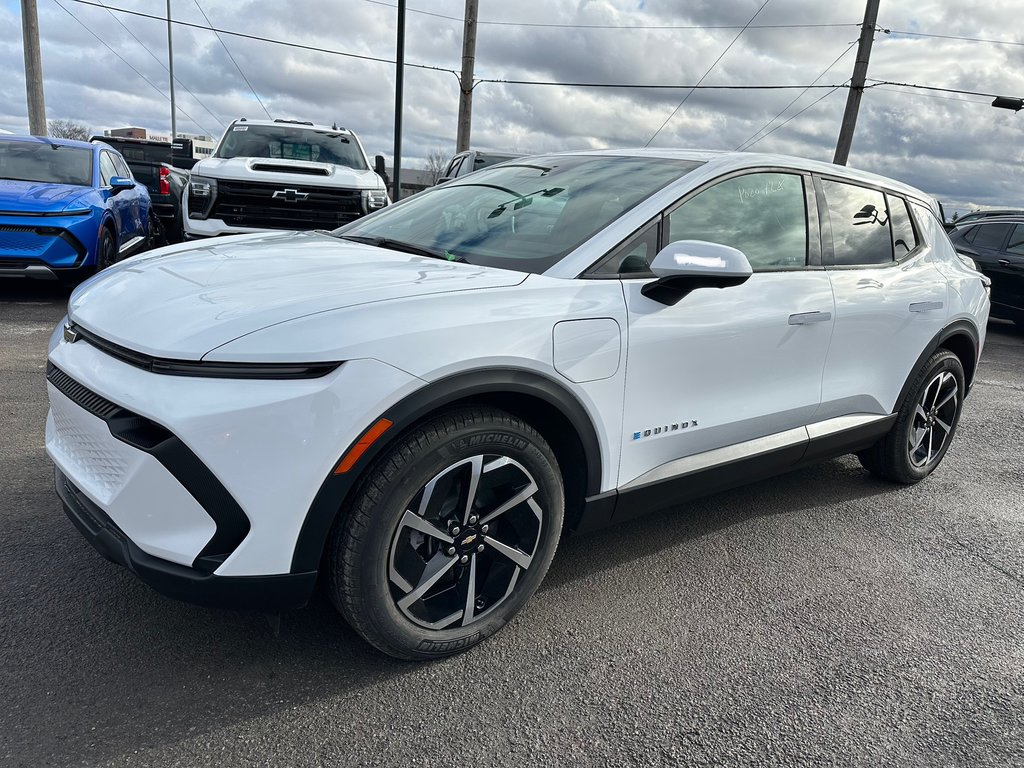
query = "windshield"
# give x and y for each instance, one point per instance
(525, 216)
(45, 163)
(290, 142)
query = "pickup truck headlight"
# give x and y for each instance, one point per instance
(202, 191)
(374, 199)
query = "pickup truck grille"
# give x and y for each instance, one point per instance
(253, 204)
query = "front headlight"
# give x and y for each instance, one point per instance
(202, 191)
(374, 199)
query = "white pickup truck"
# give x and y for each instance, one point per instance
(281, 174)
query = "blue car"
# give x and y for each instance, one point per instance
(67, 208)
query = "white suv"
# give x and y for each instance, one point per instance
(417, 405)
(281, 174)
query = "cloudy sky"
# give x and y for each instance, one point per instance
(954, 146)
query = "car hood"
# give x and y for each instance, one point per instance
(286, 172)
(37, 197)
(183, 301)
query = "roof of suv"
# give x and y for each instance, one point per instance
(289, 124)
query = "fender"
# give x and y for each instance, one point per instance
(336, 488)
(956, 328)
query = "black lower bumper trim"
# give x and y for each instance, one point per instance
(264, 593)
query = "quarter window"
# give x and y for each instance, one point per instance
(860, 224)
(991, 235)
(903, 239)
(762, 214)
(1016, 244)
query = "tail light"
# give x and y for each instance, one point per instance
(165, 181)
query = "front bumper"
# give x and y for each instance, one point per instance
(45, 246)
(266, 593)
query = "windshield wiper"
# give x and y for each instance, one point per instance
(399, 245)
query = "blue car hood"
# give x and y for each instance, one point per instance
(35, 197)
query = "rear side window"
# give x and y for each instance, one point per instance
(860, 224)
(903, 238)
(991, 235)
(762, 214)
(1016, 244)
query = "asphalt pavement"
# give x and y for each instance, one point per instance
(819, 618)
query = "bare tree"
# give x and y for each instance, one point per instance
(69, 129)
(437, 161)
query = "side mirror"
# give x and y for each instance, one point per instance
(378, 165)
(120, 184)
(685, 265)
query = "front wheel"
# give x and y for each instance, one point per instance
(450, 533)
(106, 251)
(925, 425)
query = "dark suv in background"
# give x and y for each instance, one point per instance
(997, 246)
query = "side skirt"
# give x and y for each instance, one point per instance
(724, 468)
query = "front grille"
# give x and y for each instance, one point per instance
(21, 240)
(95, 404)
(252, 204)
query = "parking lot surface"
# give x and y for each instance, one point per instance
(823, 617)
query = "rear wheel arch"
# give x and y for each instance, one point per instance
(960, 337)
(538, 400)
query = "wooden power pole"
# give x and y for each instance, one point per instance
(33, 69)
(860, 71)
(396, 182)
(466, 80)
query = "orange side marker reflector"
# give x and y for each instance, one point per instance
(369, 438)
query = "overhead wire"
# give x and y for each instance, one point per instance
(127, 64)
(785, 109)
(952, 37)
(793, 117)
(224, 45)
(162, 64)
(708, 72)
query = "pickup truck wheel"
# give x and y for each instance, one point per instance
(106, 251)
(450, 533)
(156, 236)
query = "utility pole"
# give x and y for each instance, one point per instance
(33, 69)
(466, 80)
(170, 69)
(396, 191)
(860, 71)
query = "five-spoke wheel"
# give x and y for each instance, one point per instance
(449, 534)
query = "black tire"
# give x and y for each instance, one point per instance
(106, 250)
(373, 549)
(925, 425)
(156, 235)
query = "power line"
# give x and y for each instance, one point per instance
(953, 37)
(613, 26)
(219, 38)
(713, 65)
(123, 61)
(928, 95)
(798, 97)
(157, 60)
(790, 119)
(302, 46)
(876, 83)
(667, 86)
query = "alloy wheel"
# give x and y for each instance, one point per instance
(934, 416)
(464, 541)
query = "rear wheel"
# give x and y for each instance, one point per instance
(451, 532)
(925, 426)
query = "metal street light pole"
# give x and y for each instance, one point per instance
(170, 68)
(396, 192)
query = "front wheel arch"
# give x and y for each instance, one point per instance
(529, 395)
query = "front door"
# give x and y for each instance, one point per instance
(727, 366)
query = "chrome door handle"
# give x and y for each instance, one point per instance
(925, 306)
(1003, 262)
(805, 318)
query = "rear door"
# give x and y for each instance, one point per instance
(890, 299)
(1010, 269)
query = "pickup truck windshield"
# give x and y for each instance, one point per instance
(524, 216)
(45, 163)
(291, 143)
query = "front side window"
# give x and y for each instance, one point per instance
(107, 169)
(45, 163)
(762, 214)
(121, 167)
(991, 235)
(860, 224)
(291, 142)
(527, 216)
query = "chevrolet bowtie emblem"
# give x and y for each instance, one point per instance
(70, 334)
(290, 195)
(469, 540)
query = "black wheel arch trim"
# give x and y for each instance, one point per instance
(956, 328)
(335, 489)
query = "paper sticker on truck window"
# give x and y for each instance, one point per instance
(240, 128)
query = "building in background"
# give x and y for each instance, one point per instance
(413, 180)
(202, 145)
